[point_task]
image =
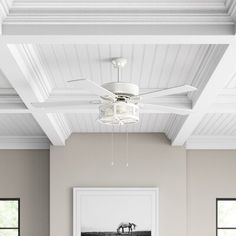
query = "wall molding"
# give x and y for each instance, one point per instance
(231, 6)
(4, 9)
(171, 18)
(33, 70)
(24, 142)
(5, 6)
(211, 142)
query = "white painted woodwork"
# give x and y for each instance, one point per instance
(167, 44)
(120, 18)
(206, 96)
(31, 91)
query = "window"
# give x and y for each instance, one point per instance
(226, 217)
(9, 217)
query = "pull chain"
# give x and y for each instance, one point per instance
(112, 146)
(127, 149)
(119, 74)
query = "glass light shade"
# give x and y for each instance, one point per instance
(118, 113)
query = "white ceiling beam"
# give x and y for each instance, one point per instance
(181, 130)
(231, 6)
(5, 6)
(10, 102)
(93, 108)
(13, 108)
(18, 74)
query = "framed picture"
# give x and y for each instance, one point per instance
(115, 211)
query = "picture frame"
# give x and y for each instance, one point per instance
(115, 211)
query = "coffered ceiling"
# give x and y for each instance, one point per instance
(44, 44)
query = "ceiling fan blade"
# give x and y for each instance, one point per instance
(156, 108)
(166, 92)
(67, 106)
(94, 88)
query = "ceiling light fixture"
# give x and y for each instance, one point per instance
(121, 111)
(118, 113)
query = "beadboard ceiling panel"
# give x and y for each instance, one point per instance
(217, 125)
(19, 125)
(83, 123)
(149, 66)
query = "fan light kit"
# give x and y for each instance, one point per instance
(120, 111)
(119, 102)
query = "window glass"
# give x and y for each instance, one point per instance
(9, 232)
(226, 232)
(227, 213)
(8, 214)
(9, 217)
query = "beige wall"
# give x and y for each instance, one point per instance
(211, 174)
(85, 161)
(25, 174)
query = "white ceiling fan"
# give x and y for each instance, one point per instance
(119, 102)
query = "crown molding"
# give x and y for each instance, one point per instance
(211, 142)
(11, 103)
(4, 8)
(62, 123)
(128, 4)
(33, 70)
(33, 86)
(91, 17)
(24, 142)
(231, 6)
(4, 11)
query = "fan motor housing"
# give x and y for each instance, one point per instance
(121, 88)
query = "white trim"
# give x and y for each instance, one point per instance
(206, 96)
(211, 142)
(208, 88)
(128, 4)
(231, 5)
(128, 12)
(114, 18)
(31, 91)
(125, 37)
(4, 11)
(10, 103)
(24, 142)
